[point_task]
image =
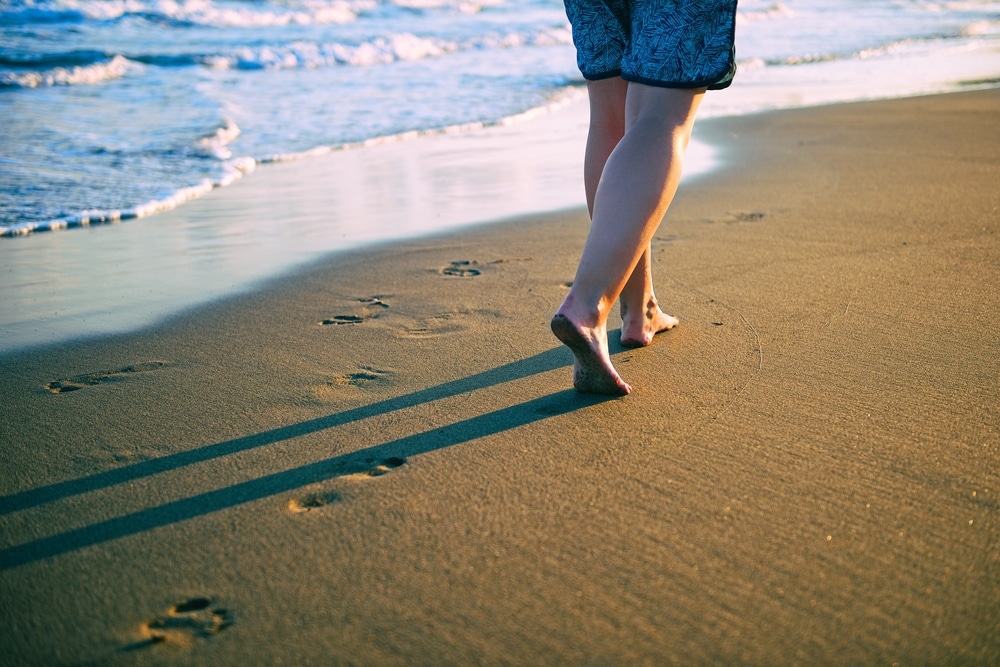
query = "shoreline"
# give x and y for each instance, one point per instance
(114, 278)
(380, 459)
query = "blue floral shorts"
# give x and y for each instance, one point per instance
(667, 43)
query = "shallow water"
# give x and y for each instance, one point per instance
(123, 108)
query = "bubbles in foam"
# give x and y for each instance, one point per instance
(216, 14)
(383, 50)
(217, 144)
(115, 68)
(777, 10)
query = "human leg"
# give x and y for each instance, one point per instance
(607, 127)
(641, 315)
(636, 186)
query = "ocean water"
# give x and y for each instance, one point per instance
(122, 110)
(117, 109)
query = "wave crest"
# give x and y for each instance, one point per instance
(195, 12)
(378, 51)
(777, 10)
(233, 170)
(115, 68)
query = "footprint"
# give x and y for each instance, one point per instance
(344, 385)
(364, 469)
(361, 377)
(462, 269)
(91, 379)
(435, 325)
(371, 308)
(385, 466)
(734, 217)
(344, 319)
(373, 301)
(188, 621)
(748, 216)
(311, 501)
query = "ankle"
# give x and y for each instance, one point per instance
(584, 315)
(639, 309)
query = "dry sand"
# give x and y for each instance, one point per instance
(807, 471)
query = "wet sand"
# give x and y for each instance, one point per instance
(380, 460)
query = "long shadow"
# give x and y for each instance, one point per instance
(270, 485)
(540, 363)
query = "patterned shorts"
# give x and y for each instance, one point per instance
(667, 43)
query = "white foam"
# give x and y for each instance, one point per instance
(207, 13)
(217, 144)
(775, 11)
(907, 68)
(981, 29)
(397, 47)
(559, 100)
(233, 170)
(463, 6)
(115, 68)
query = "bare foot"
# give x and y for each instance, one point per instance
(592, 369)
(639, 326)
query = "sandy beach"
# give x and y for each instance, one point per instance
(379, 459)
